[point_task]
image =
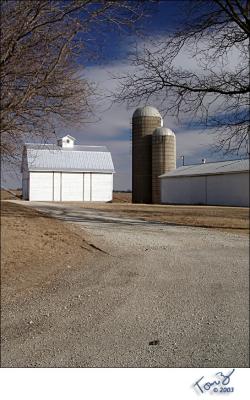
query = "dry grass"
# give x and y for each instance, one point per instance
(216, 217)
(122, 197)
(35, 247)
(5, 195)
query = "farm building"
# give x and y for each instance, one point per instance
(217, 183)
(67, 172)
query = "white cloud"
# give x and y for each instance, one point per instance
(112, 126)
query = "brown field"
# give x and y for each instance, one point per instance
(5, 195)
(118, 197)
(35, 247)
(121, 197)
(216, 217)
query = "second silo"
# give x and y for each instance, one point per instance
(163, 158)
(144, 122)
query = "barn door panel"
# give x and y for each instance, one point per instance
(72, 186)
(41, 186)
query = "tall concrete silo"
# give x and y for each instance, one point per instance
(144, 122)
(163, 158)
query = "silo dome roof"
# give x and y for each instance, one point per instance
(163, 132)
(146, 111)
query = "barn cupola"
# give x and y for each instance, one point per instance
(66, 141)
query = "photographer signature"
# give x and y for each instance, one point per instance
(222, 379)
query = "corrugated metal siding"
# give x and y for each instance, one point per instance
(72, 187)
(102, 187)
(41, 186)
(76, 147)
(69, 160)
(25, 188)
(221, 167)
(49, 186)
(231, 189)
(227, 189)
(57, 186)
(184, 191)
(87, 188)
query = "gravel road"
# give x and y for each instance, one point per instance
(153, 295)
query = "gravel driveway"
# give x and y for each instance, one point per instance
(153, 295)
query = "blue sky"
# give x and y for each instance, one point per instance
(114, 127)
(164, 17)
(113, 122)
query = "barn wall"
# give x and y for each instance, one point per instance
(102, 187)
(87, 187)
(225, 189)
(25, 188)
(64, 186)
(41, 186)
(72, 186)
(25, 185)
(57, 186)
(25, 177)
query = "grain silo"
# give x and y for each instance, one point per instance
(163, 158)
(144, 122)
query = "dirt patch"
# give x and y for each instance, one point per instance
(222, 218)
(122, 197)
(36, 247)
(10, 194)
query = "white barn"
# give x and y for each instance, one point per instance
(67, 172)
(219, 183)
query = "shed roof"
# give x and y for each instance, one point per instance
(213, 168)
(51, 157)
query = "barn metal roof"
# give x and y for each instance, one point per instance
(38, 146)
(78, 158)
(213, 168)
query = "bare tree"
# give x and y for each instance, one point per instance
(42, 82)
(213, 92)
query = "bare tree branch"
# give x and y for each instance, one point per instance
(211, 92)
(43, 45)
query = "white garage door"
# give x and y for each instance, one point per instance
(87, 187)
(41, 186)
(102, 187)
(72, 186)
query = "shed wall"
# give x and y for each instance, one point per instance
(228, 189)
(225, 189)
(184, 190)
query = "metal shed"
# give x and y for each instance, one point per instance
(218, 183)
(67, 172)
